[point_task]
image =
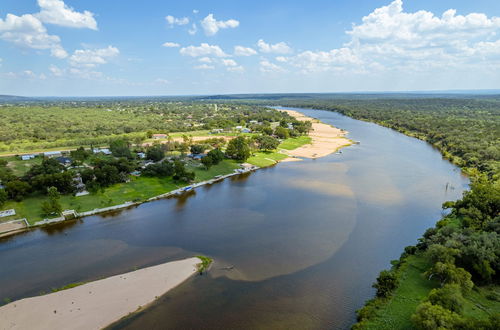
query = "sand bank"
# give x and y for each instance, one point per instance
(97, 304)
(326, 139)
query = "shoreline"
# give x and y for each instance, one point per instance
(325, 140)
(97, 304)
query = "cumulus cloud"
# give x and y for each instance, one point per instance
(171, 45)
(192, 31)
(211, 26)
(205, 60)
(391, 39)
(266, 66)
(229, 62)
(279, 48)
(244, 51)
(27, 31)
(203, 50)
(204, 67)
(58, 13)
(90, 58)
(171, 20)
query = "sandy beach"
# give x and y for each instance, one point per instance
(97, 304)
(326, 139)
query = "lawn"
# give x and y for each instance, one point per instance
(294, 143)
(224, 167)
(20, 167)
(412, 290)
(264, 159)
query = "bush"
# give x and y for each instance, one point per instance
(386, 283)
(432, 317)
(449, 297)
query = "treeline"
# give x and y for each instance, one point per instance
(37, 126)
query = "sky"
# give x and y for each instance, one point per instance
(130, 48)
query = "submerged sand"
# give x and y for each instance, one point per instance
(97, 304)
(326, 139)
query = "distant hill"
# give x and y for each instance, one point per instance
(13, 98)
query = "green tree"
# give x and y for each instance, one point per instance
(52, 206)
(217, 155)
(207, 161)
(155, 153)
(448, 273)
(282, 133)
(386, 283)
(238, 149)
(120, 148)
(434, 317)
(3, 196)
(197, 149)
(266, 142)
(449, 297)
(17, 189)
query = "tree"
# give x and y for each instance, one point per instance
(217, 155)
(266, 142)
(3, 196)
(120, 148)
(162, 169)
(440, 253)
(207, 161)
(80, 154)
(432, 317)
(181, 174)
(155, 153)
(17, 189)
(448, 273)
(386, 283)
(282, 132)
(238, 149)
(449, 297)
(197, 149)
(52, 206)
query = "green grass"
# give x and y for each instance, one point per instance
(68, 286)
(294, 143)
(20, 167)
(412, 290)
(224, 167)
(205, 263)
(264, 159)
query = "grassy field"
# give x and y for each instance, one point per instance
(225, 167)
(20, 167)
(294, 143)
(264, 159)
(414, 288)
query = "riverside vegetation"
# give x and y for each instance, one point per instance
(133, 167)
(450, 279)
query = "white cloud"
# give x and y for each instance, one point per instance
(56, 71)
(279, 48)
(91, 58)
(171, 45)
(211, 26)
(58, 13)
(229, 62)
(25, 74)
(391, 39)
(28, 32)
(203, 50)
(205, 60)
(195, 11)
(237, 68)
(161, 81)
(244, 51)
(192, 31)
(171, 20)
(266, 66)
(204, 67)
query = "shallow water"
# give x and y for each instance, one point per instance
(306, 239)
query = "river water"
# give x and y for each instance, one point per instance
(296, 246)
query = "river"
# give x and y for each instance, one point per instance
(296, 246)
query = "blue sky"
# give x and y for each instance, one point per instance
(94, 48)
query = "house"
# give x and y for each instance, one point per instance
(27, 157)
(238, 127)
(290, 126)
(105, 151)
(64, 160)
(159, 136)
(217, 131)
(141, 155)
(246, 130)
(51, 154)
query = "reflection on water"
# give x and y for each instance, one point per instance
(295, 246)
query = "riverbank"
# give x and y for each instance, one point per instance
(97, 304)
(325, 139)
